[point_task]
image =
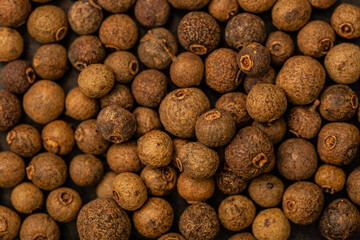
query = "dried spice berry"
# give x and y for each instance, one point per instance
(11, 44)
(223, 10)
(88, 139)
(242, 236)
(146, 120)
(124, 157)
(180, 109)
(47, 24)
(17, 76)
(96, 80)
(221, 70)
(290, 15)
(249, 153)
(342, 63)
(251, 81)
(153, 13)
(345, 21)
(119, 32)
(194, 190)
(331, 179)
(124, 65)
(257, 6)
(178, 144)
(353, 186)
(79, 106)
(229, 182)
(86, 50)
(281, 47)
(338, 143)
(14, 13)
(116, 6)
(159, 181)
(341, 220)
(27, 198)
(198, 32)
(304, 121)
(275, 130)
(85, 17)
(271, 224)
(103, 189)
(254, 59)
(12, 169)
(316, 39)
(189, 4)
(44, 101)
(86, 170)
(171, 236)
(24, 140)
(47, 171)
(338, 103)
(154, 218)
(296, 159)
(322, 4)
(10, 223)
(266, 190)
(58, 137)
(302, 79)
(10, 110)
(119, 95)
(243, 29)
(39, 226)
(129, 191)
(63, 204)
(103, 219)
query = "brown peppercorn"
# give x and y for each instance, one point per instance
(159, 181)
(316, 39)
(103, 219)
(178, 144)
(303, 202)
(188, 4)
(199, 222)
(116, 6)
(302, 79)
(304, 121)
(271, 224)
(341, 220)
(249, 153)
(86, 50)
(47, 24)
(290, 15)
(338, 143)
(171, 236)
(345, 21)
(44, 101)
(154, 218)
(223, 10)
(256, 6)
(281, 47)
(243, 29)
(39, 226)
(119, 95)
(266, 190)
(153, 13)
(124, 65)
(27, 198)
(221, 70)
(103, 189)
(47, 171)
(146, 120)
(14, 13)
(123, 157)
(353, 186)
(11, 44)
(296, 159)
(12, 169)
(275, 130)
(119, 32)
(193, 190)
(86, 170)
(63, 204)
(58, 137)
(342, 63)
(331, 179)
(215, 128)
(10, 110)
(251, 81)
(228, 182)
(79, 106)
(254, 59)
(85, 17)
(198, 32)
(10, 223)
(129, 191)
(17, 76)
(242, 236)
(180, 109)
(322, 4)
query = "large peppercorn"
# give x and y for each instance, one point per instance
(281, 47)
(345, 21)
(11, 44)
(116, 6)
(153, 13)
(17, 76)
(146, 120)
(119, 95)
(194, 190)
(27, 198)
(12, 169)
(256, 6)
(331, 179)
(159, 181)
(14, 13)
(275, 130)
(124, 157)
(39, 226)
(86, 170)
(58, 137)
(79, 106)
(229, 182)
(10, 110)
(251, 81)
(124, 65)
(223, 10)
(188, 4)
(10, 223)
(353, 186)
(254, 59)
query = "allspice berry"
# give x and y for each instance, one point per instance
(236, 212)
(340, 220)
(124, 157)
(124, 65)
(103, 189)
(330, 178)
(47, 24)
(222, 73)
(189, 4)
(172, 236)
(10, 223)
(303, 202)
(195, 190)
(129, 191)
(254, 59)
(44, 101)
(345, 21)
(154, 218)
(322, 4)
(199, 221)
(12, 169)
(242, 236)
(11, 44)
(119, 95)
(302, 79)
(116, 6)
(10, 110)
(24, 140)
(17, 76)
(86, 170)
(198, 32)
(79, 106)
(353, 186)
(228, 182)
(147, 120)
(338, 143)
(63, 204)
(180, 109)
(103, 219)
(275, 130)
(152, 13)
(178, 144)
(251, 81)
(281, 47)
(256, 6)
(27, 198)
(14, 13)
(159, 181)
(39, 225)
(58, 137)
(223, 10)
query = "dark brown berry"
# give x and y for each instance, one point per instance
(251, 81)
(58, 137)
(256, 6)
(119, 95)
(194, 190)
(275, 130)
(159, 181)
(254, 59)
(10, 110)
(345, 21)
(86, 170)
(188, 4)
(79, 106)
(322, 4)
(27, 198)
(124, 65)
(146, 120)
(103, 189)
(11, 44)
(14, 13)
(223, 10)
(12, 169)
(39, 226)
(281, 47)
(178, 144)
(152, 13)
(10, 223)
(229, 182)
(116, 6)
(353, 186)
(17, 76)
(331, 179)
(124, 157)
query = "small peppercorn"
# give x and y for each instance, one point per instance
(254, 59)
(119, 95)
(345, 21)
(331, 179)
(153, 13)
(86, 170)
(58, 137)
(256, 6)
(17, 76)
(275, 130)
(14, 13)
(10, 223)
(11, 44)
(251, 81)
(322, 4)
(10, 110)
(27, 198)
(159, 181)
(281, 47)
(353, 186)
(228, 182)
(124, 157)
(124, 65)
(193, 190)
(116, 6)
(178, 144)
(171, 236)
(79, 106)
(223, 10)
(242, 236)
(103, 189)
(146, 120)
(12, 169)
(39, 226)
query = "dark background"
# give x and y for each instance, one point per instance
(69, 81)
